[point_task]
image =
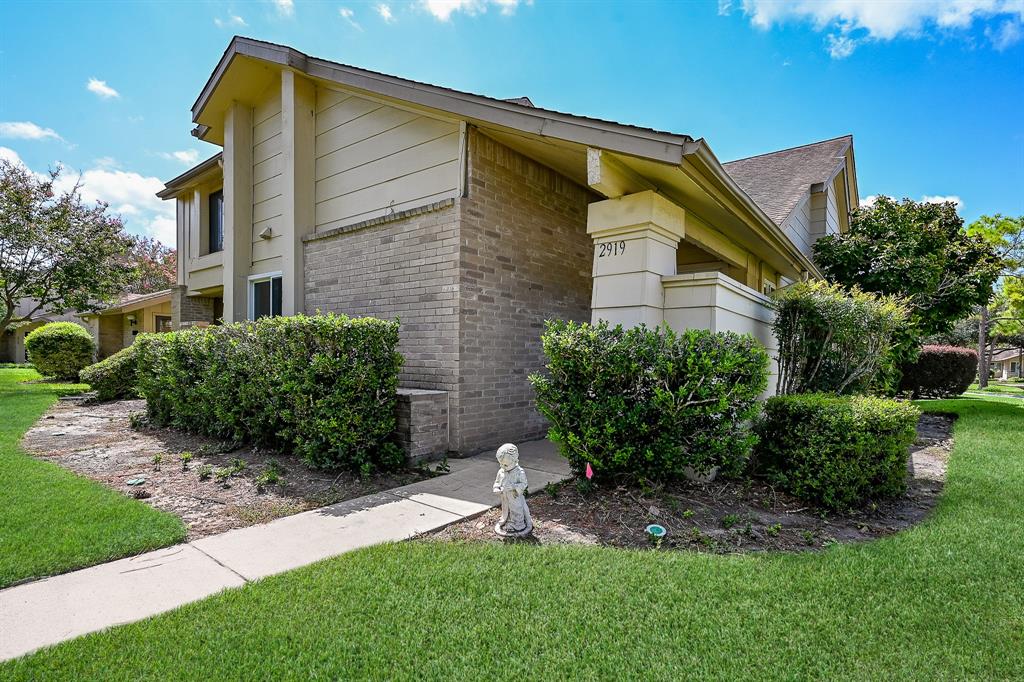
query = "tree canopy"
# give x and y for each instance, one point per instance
(154, 266)
(55, 251)
(918, 251)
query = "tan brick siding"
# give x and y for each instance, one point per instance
(406, 268)
(525, 257)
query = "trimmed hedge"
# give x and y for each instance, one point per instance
(60, 349)
(836, 451)
(650, 402)
(940, 372)
(114, 378)
(323, 386)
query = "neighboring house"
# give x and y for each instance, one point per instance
(112, 328)
(475, 219)
(1008, 364)
(12, 340)
(116, 327)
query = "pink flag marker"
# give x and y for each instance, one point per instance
(590, 472)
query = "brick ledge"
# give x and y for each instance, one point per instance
(383, 220)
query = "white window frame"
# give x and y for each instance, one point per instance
(262, 277)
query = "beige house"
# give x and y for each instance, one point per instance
(474, 219)
(116, 327)
(12, 339)
(1008, 364)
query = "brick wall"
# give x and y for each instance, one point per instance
(422, 423)
(404, 266)
(186, 310)
(525, 257)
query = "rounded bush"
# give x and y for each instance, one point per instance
(650, 403)
(114, 377)
(836, 451)
(60, 349)
(940, 372)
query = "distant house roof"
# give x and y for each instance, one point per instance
(777, 181)
(128, 302)
(1011, 354)
(185, 178)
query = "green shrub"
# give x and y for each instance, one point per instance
(836, 451)
(835, 340)
(114, 378)
(60, 349)
(940, 372)
(650, 402)
(323, 387)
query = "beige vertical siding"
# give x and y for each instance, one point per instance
(372, 159)
(267, 163)
(799, 226)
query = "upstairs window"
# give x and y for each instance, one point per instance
(216, 221)
(265, 297)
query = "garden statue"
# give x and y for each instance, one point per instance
(510, 484)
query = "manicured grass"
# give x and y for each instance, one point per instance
(942, 600)
(51, 520)
(1007, 388)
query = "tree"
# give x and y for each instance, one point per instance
(55, 251)
(1006, 237)
(920, 252)
(154, 266)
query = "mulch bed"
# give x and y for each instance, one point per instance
(98, 441)
(722, 516)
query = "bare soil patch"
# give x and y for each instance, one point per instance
(723, 516)
(97, 441)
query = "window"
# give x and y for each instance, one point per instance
(162, 323)
(265, 297)
(767, 287)
(216, 221)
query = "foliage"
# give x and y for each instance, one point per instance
(836, 451)
(56, 252)
(322, 386)
(60, 349)
(940, 372)
(919, 251)
(833, 340)
(52, 520)
(154, 266)
(650, 402)
(114, 378)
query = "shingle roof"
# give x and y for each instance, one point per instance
(777, 181)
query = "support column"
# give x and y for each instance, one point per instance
(298, 99)
(237, 211)
(635, 240)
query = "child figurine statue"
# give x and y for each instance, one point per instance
(510, 483)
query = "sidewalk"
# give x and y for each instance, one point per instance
(54, 609)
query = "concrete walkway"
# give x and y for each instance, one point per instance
(55, 609)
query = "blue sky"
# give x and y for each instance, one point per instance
(932, 90)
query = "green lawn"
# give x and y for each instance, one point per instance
(51, 520)
(942, 600)
(1007, 388)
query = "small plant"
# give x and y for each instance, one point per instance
(138, 420)
(688, 514)
(442, 467)
(267, 477)
(584, 487)
(365, 469)
(730, 520)
(157, 458)
(205, 472)
(223, 476)
(808, 536)
(773, 530)
(237, 466)
(185, 458)
(552, 490)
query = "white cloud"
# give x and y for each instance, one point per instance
(724, 8)
(385, 12)
(285, 7)
(185, 156)
(101, 89)
(106, 162)
(443, 9)
(232, 21)
(869, 201)
(11, 156)
(853, 22)
(1008, 34)
(349, 16)
(26, 130)
(129, 194)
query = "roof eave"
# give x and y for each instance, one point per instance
(172, 187)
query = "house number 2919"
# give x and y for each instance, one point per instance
(611, 249)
